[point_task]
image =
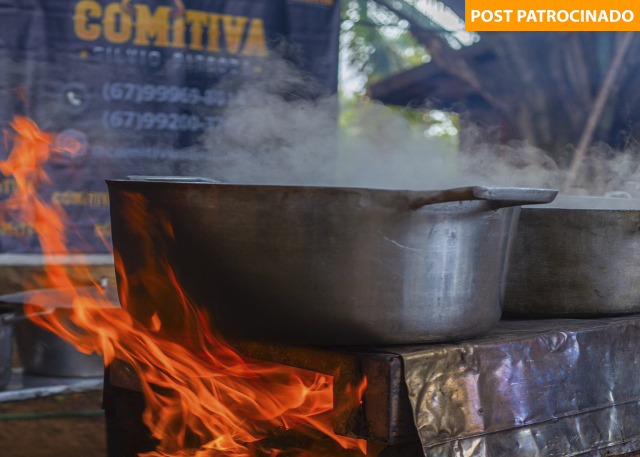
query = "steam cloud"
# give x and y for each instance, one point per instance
(277, 136)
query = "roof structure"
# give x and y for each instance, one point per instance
(430, 85)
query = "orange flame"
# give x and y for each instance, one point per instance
(202, 398)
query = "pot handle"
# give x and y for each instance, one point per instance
(502, 196)
(184, 179)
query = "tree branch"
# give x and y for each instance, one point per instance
(598, 106)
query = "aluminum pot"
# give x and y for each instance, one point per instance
(42, 352)
(579, 257)
(6, 348)
(311, 265)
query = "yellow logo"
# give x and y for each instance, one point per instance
(130, 22)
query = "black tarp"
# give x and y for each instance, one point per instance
(137, 83)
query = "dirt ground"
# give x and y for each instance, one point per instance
(54, 437)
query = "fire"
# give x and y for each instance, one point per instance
(202, 398)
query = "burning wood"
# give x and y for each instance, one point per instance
(202, 398)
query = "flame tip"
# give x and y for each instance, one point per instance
(199, 387)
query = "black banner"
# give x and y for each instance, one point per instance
(138, 82)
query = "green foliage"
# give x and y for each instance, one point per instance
(376, 44)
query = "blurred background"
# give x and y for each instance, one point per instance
(407, 98)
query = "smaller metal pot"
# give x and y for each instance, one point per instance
(42, 352)
(576, 258)
(6, 349)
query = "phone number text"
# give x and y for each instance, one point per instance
(148, 93)
(139, 121)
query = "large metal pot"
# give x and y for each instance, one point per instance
(310, 265)
(579, 257)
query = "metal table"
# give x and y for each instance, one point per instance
(537, 388)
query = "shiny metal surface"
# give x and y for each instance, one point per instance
(575, 262)
(304, 265)
(607, 432)
(6, 350)
(530, 388)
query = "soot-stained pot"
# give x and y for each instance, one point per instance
(317, 265)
